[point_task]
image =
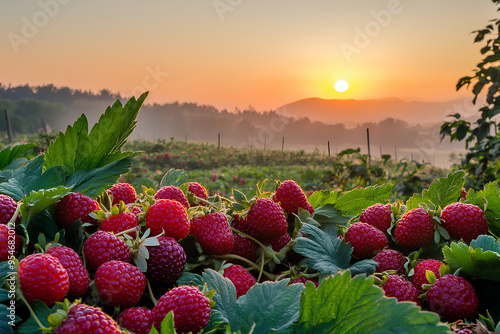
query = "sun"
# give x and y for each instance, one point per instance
(341, 86)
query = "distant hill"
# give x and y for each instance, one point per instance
(308, 124)
(352, 112)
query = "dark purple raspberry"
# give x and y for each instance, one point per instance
(7, 208)
(137, 319)
(166, 262)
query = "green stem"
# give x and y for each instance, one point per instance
(150, 291)
(33, 314)
(261, 267)
(249, 237)
(237, 257)
(133, 229)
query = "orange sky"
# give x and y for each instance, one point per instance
(236, 53)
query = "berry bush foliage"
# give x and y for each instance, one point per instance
(82, 252)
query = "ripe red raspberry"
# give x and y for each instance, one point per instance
(266, 220)
(244, 247)
(213, 233)
(119, 283)
(389, 259)
(166, 262)
(75, 206)
(8, 243)
(453, 298)
(415, 229)
(173, 193)
(87, 319)
(43, 277)
(365, 240)
(280, 242)
(123, 192)
(304, 279)
(464, 221)
(291, 197)
(169, 216)
(120, 222)
(191, 309)
(136, 319)
(197, 189)
(378, 215)
(7, 208)
(418, 278)
(240, 223)
(78, 275)
(240, 277)
(102, 247)
(398, 287)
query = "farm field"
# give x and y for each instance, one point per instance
(222, 169)
(369, 238)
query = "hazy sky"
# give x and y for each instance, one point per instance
(236, 53)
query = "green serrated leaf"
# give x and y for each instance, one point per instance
(42, 311)
(77, 149)
(476, 262)
(167, 325)
(62, 151)
(322, 197)
(486, 243)
(328, 254)
(92, 182)
(330, 218)
(489, 197)
(441, 192)
(353, 202)
(37, 201)
(270, 307)
(344, 305)
(239, 197)
(174, 177)
(11, 153)
(30, 179)
(8, 323)
(225, 299)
